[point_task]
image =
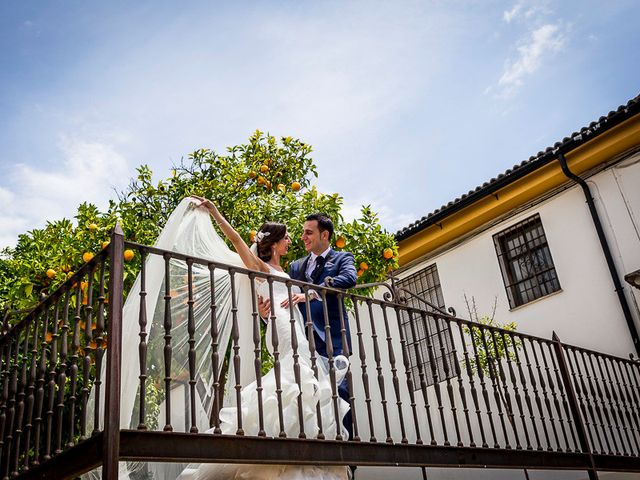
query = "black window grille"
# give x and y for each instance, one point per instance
(426, 330)
(525, 260)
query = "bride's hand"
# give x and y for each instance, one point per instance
(296, 298)
(203, 202)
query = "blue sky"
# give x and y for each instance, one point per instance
(407, 104)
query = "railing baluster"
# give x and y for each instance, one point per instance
(554, 395)
(458, 373)
(506, 341)
(611, 420)
(617, 412)
(41, 372)
(536, 395)
(215, 354)
(496, 388)
(31, 387)
(559, 380)
(331, 361)
(142, 344)
(11, 411)
(376, 356)
(275, 342)
(474, 392)
(5, 359)
(75, 348)
(591, 381)
(346, 351)
(365, 375)
(394, 375)
(100, 346)
(191, 330)
(625, 399)
(634, 403)
(501, 378)
(52, 372)
(483, 387)
(578, 385)
(525, 391)
(257, 351)
(547, 402)
(434, 375)
(445, 365)
(407, 369)
(22, 384)
(88, 347)
(312, 353)
(62, 372)
(168, 349)
(235, 336)
(296, 358)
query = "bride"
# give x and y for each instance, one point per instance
(300, 394)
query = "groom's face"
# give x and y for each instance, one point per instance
(314, 240)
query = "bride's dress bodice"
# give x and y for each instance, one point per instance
(283, 317)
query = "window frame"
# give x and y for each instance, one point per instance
(526, 263)
(425, 283)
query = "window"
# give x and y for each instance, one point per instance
(424, 331)
(525, 261)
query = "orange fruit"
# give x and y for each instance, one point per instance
(51, 273)
(128, 255)
(87, 256)
(387, 253)
(295, 186)
(364, 266)
(252, 235)
(360, 272)
(268, 162)
(84, 285)
(48, 337)
(264, 168)
(252, 174)
(92, 227)
(262, 180)
(105, 244)
(281, 187)
(267, 184)
(341, 242)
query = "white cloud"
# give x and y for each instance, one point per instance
(88, 172)
(510, 15)
(541, 43)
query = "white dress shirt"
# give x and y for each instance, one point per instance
(311, 264)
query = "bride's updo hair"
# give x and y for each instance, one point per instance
(276, 232)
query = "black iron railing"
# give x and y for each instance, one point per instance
(498, 398)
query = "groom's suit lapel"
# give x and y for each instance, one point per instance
(302, 274)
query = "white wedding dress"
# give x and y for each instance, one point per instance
(189, 230)
(314, 391)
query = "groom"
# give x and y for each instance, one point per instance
(321, 263)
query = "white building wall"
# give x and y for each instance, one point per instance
(586, 311)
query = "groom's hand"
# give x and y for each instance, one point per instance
(296, 298)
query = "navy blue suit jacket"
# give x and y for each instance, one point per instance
(341, 268)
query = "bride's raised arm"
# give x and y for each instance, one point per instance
(251, 261)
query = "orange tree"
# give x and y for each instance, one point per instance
(264, 179)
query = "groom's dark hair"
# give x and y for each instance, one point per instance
(324, 222)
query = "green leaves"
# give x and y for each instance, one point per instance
(266, 179)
